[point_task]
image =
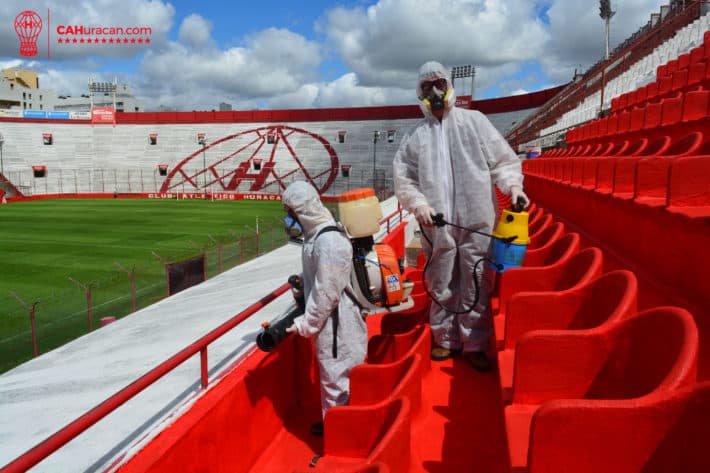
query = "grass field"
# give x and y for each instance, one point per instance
(43, 243)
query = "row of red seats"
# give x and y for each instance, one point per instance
(678, 185)
(580, 366)
(676, 115)
(372, 433)
(687, 70)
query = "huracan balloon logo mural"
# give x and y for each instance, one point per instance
(28, 25)
(264, 159)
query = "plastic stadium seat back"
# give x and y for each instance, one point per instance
(611, 366)
(624, 122)
(558, 250)
(696, 73)
(689, 193)
(652, 175)
(683, 61)
(604, 150)
(546, 236)
(391, 348)
(689, 144)
(672, 67)
(661, 71)
(613, 124)
(375, 433)
(663, 432)
(572, 270)
(619, 148)
(625, 177)
(657, 146)
(680, 80)
(641, 93)
(637, 118)
(656, 348)
(651, 91)
(610, 297)
(652, 119)
(637, 147)
(605, 175)
(664, 85)
(371, 384)
(589, 174)
(697, 55)
(671, 111)
(695, 105)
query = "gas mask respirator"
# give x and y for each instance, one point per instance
(436, 94)
(293, 227)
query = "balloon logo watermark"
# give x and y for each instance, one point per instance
(28, 25)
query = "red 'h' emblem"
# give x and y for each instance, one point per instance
(28, 25)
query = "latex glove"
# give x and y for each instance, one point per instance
(516, 192)
(423, 214)
(291, 329)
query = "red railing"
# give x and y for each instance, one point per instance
(624, 56)
(75, 428)
(60, 438)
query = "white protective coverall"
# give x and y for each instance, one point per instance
(327, 263)
(452, 166)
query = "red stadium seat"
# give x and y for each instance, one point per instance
(576, 270)
(551, 251)
(610, 297)
(371, 384)
(658, 433)
(688, 191)
(546, 236)
(652, 181)
(375, 433)
(391, 348)
(616, 364)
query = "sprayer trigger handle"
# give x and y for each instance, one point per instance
(438, 220)
(519, 204)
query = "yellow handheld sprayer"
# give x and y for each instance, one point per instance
(510, 241)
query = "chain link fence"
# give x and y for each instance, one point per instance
(38, 326)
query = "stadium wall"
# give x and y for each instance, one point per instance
(72, 157)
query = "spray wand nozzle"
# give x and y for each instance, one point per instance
(438, 221)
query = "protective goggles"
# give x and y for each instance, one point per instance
(427, 86)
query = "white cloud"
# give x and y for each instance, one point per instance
(272, 62)
(195, 31)
(377, 51)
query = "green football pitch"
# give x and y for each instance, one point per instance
(54, 250)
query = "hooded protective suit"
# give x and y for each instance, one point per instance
(327, 263)
(452, 166)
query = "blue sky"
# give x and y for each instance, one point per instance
(279, 54)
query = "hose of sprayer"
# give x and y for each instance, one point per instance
(439, 221)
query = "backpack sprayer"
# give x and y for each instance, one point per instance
(510, 241)
(376, 283)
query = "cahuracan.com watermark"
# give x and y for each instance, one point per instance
(84, 34)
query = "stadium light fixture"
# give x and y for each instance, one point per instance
(606, 13)
(375, 138)
(203, 141)
(461, 72)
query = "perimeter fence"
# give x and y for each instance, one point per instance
(41, 325)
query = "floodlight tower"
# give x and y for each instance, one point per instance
(606, 13)
(102, 88)
(461, 72)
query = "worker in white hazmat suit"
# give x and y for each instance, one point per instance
(449, 163)
(331, 317)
